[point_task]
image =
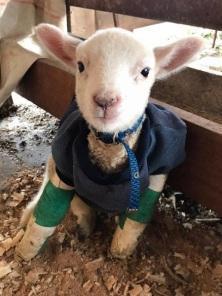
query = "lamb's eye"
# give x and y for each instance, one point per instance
(81, 67)
(145, 72)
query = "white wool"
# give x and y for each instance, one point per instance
(113, 60)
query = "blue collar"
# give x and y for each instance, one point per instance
(114, 138)
(117, 138)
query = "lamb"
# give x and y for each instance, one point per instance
(114, 149)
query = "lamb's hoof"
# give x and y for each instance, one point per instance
(84, 229)
(33, 240)
(85, 217)
(20, 255)
(125, 240)
(121, 248)
(119, 254)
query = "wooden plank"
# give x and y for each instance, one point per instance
(48, 87)
(105, 20)
(203, 13)
(130, 22)
(200, 175)
(84, 22)
(194, 90)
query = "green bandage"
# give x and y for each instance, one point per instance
(147, 205)
(53, 205)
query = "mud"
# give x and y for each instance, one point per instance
(25, 137)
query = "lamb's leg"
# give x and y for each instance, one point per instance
(85, 216)
(46, 211)
(27, 213)
(132, 224)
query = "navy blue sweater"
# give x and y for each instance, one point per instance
(161, 147)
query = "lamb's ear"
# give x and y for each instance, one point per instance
(57, 43)
(175, 56)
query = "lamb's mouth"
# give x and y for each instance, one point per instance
(106, 114)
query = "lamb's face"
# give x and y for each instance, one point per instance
(115, 71)
(114, 76)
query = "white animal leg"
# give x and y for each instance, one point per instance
(85, 215)
(50, 168)
(126, 236)
(51, 206)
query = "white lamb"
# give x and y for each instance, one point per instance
(115, 149)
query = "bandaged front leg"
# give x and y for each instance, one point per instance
(132, 224)
(26, 215)
(85, 216)
(48, 213)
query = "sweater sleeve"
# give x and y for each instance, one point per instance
(63, 144)
(168, 139)
(169, 150)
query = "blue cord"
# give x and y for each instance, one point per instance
(134, 178)
(109, 138)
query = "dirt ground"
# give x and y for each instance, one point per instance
(179, 254)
